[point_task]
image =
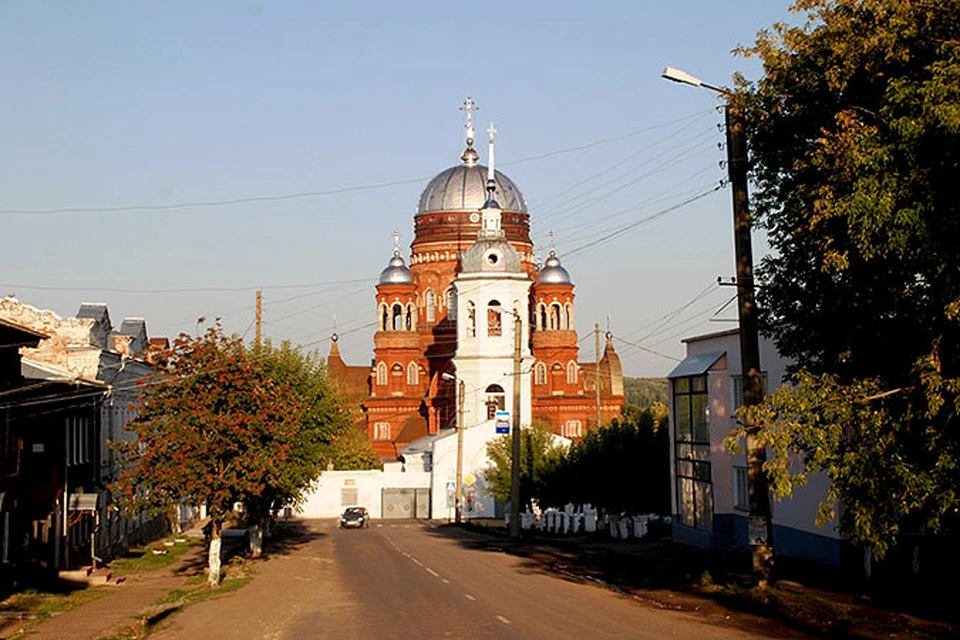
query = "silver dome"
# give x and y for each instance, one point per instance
(463, 188)
(552, 272)
(396, 272)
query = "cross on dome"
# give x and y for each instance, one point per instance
(469, 106)
(396, 242)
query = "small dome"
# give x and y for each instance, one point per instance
(396, 271)
(463, 188)
(552, 272)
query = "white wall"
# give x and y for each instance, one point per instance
(324, 501)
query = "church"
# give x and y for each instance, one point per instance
(450, 320)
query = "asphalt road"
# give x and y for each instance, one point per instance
(411, 580)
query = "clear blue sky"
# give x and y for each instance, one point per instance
(111, 104)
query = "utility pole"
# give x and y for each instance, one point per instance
(596, 350)
(258, 319)
(760, 526)
(515, 434)
(459, 498)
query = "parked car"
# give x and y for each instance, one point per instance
(354, 517)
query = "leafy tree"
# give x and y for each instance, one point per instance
(325, 435)
(539, 454)
(645, 392)
(621, 468)
(215, 429)
(854, 130)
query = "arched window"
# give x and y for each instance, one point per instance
(381, 431)
(381, 373)
(540, 373)
(571, 372)
(471, 319)
(496, 400)
(397, 317)
(554, 316)
(411, 317)
(384, 318)
(493, 319)
(542, 320)
(451, 304)
(431, 301)
(568, 316)
(413, 374)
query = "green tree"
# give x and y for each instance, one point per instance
(213, 429)
(854, 130)
(621, 468)
(539, 454)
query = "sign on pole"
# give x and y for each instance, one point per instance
(502, 421)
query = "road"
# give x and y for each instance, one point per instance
(409, 579)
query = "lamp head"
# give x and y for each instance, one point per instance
(448, 376)
(682, 77)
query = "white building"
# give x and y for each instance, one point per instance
(709, 488)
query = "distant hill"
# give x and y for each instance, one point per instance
(643, 392)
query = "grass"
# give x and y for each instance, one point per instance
(37, 606)
(144, 559)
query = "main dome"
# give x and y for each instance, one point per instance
(463, 188)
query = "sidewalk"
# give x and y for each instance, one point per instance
(108, 614)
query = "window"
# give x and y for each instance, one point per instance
(397, 317)
(413, 374)
(542, 316)
(451, 304)
(78, 440)
(381, 373)
(493, 319)
(571, 372)
(384, 318)
(741, 495)
(554, 316)
(411, 321)
(471, 319)
(381, 431)
(348, 496)
(573, 429)
(540, 373)
(737, 391)
(568, 316)
(431, 303)
(692, 443)
(496, 400)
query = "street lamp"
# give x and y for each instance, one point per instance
(461, 390)
(761, 532)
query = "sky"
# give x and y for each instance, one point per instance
(326, 121)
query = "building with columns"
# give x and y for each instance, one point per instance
(472, 271)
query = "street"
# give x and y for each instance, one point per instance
(410, 579)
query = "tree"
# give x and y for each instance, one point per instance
(214, 429)
(539, 454)
(325, 435)
(854, 130)
(621, 468)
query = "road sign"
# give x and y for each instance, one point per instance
(502, 422)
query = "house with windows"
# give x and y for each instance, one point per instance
(709, 485)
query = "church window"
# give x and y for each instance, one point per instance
(397, 317)
(493, 319)
(451, 304)
(572, 429)
(540, 373)
(568, 316)
(554, 316)
(496, 400)
(542, 322)
(413, 374)
(431, 302)
(381, 431)
(381, 373)
(471, 319)
(384, 318)
(571, 372)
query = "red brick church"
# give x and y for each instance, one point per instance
(404, 395)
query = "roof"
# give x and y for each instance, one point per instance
(35, 370)
(464, 188)
(696, 365)
(17, 335)
(132, 327)
(93, 310)
(710, 336)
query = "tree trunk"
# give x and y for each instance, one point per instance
(213, 556)
(256, 541)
